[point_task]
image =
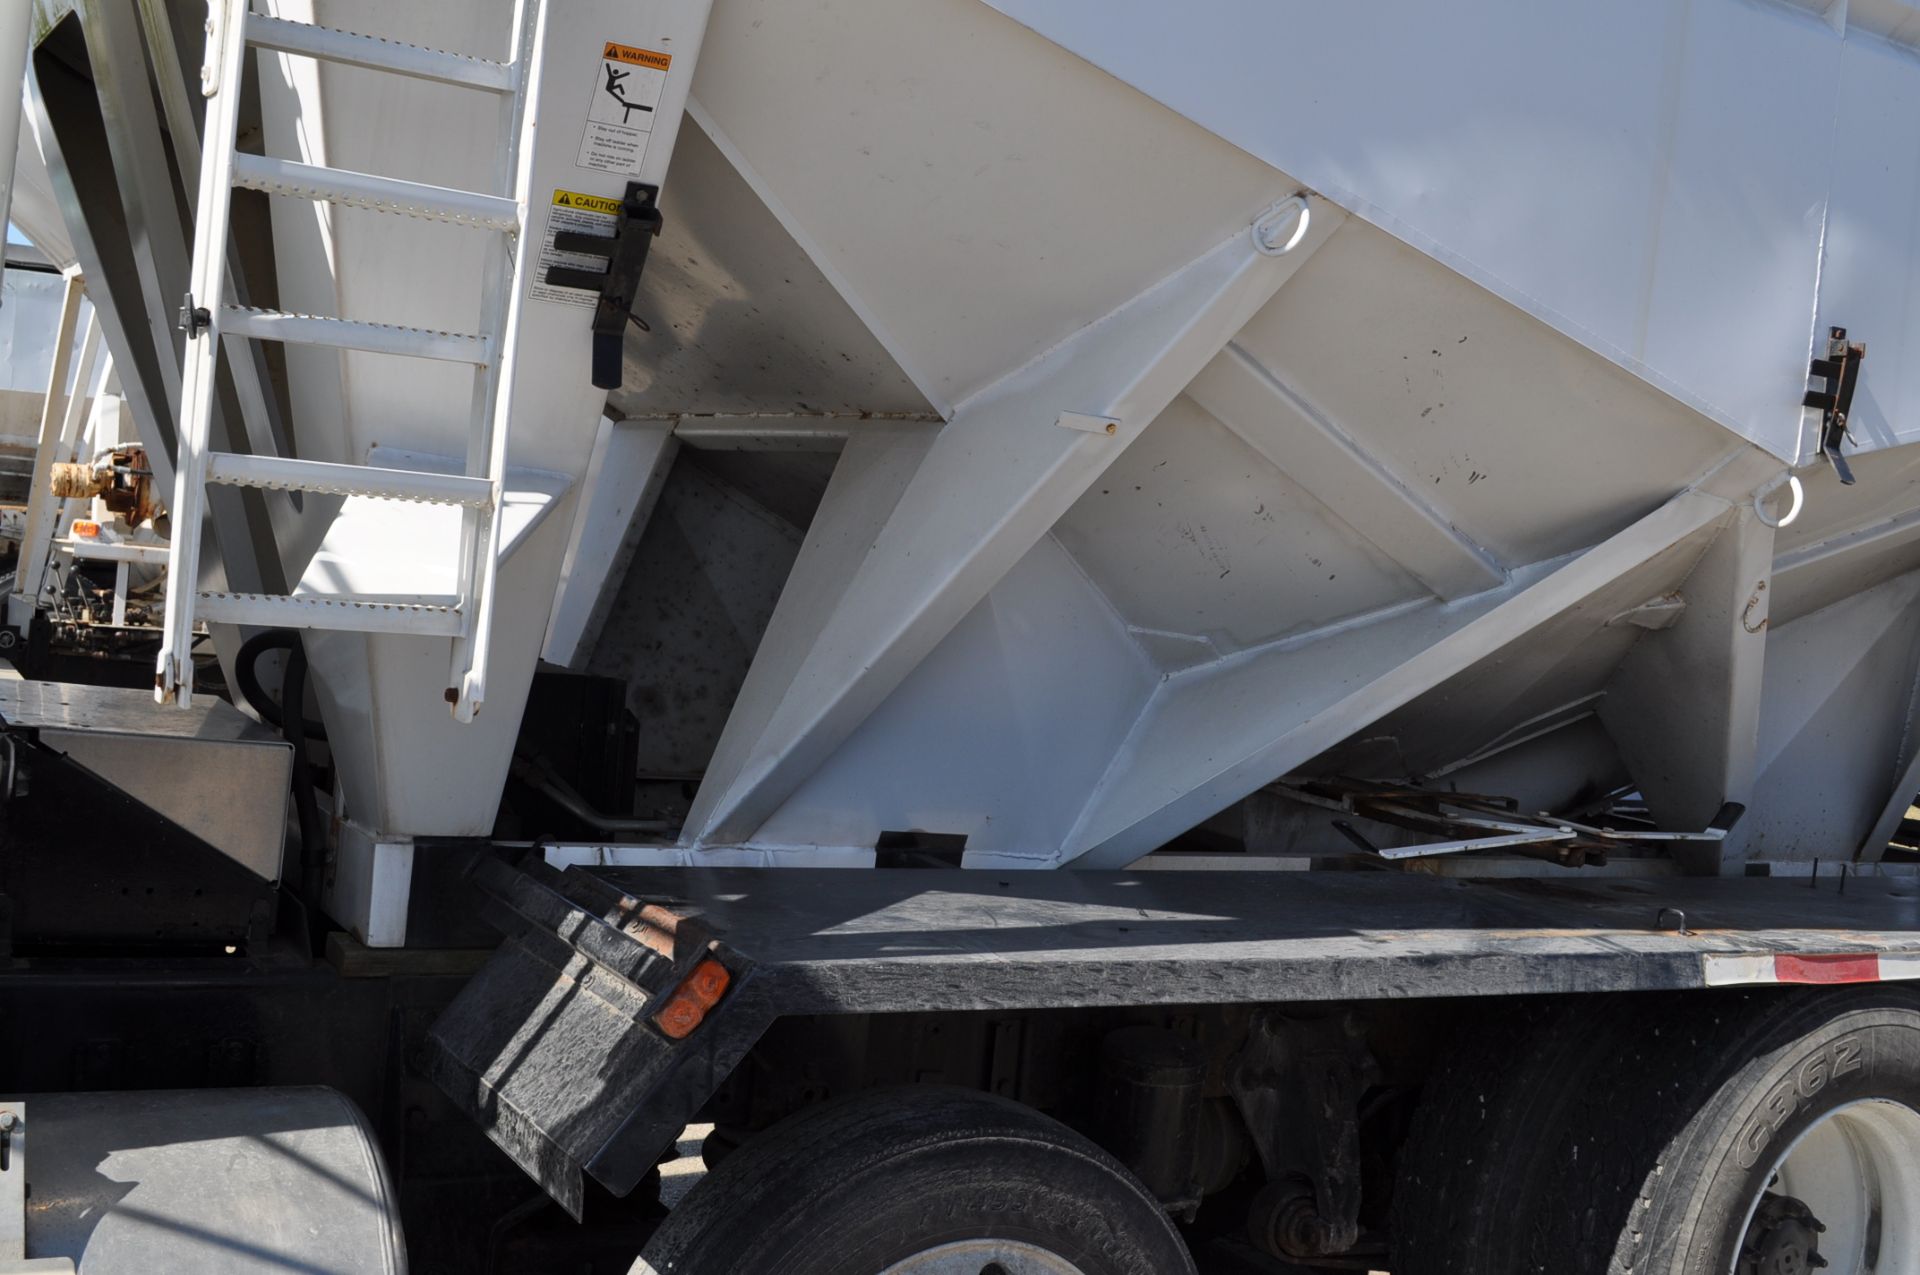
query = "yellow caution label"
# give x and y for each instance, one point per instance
(586, 203)
(637, 57)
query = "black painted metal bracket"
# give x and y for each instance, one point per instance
(638, 222)
(194, 319)
(1840, 369)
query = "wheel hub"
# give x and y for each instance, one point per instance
(1783, 1239)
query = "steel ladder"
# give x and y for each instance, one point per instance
(207, 317)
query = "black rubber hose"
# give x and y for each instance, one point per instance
(293, 692)
(247, 675)
(306, 805)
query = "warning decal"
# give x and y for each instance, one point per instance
(587, 214)
(626, 91)
(605, 205)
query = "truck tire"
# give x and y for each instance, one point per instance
(918, 1181)
(1484, 1133)
(1749, 1133)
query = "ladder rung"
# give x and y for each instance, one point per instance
(370, 51)
(348, 614)
(279, 473)
(364, 190)
(351, 334)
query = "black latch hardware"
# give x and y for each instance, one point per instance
(1840, 369)
(194, 319)
(626, 253)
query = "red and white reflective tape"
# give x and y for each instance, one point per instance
(1725, 969)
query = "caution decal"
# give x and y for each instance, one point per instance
(583, 214)
(586, 203)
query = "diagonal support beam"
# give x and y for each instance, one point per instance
(1012, 460)
(873, 472)
(1217, 733)
(625, 476)
(42, 506)
(1874, 847)
(1252, 401)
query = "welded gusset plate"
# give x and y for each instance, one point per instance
(552, 1047)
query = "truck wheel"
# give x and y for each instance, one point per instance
(1486, 1132)
(918, 1181)
(1770, 1133)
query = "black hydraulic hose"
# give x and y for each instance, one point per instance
(245, 672)
(295, 727)
(306, 805)
(576, 805)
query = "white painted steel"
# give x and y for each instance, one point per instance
(381, 194)
(371, 886)
(1841, 673)
(1504, 140)
(467, 617)
(973, 508)
(107, 551)
(678, 25)
(1541, 836)
(351, 49)
(30, 305)
(356, 615)
(1797, 499)
(243, 363)
(1290, 434)
(277, 473)
(507, 275)
(16, 32)
(772, 433)
(352, 334)
(624, 478)
(40, 505)
(1284, 227)
(220, 82)
(1858, 1171)
(1398, 394)
(65, 404)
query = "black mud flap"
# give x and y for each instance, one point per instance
(572, 1046)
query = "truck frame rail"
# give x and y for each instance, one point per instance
(552, 1048)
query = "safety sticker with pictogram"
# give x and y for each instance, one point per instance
(620, 115)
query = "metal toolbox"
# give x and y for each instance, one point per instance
(126, 824)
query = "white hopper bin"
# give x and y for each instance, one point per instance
(1385, 390)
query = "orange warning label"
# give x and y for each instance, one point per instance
(637, 57)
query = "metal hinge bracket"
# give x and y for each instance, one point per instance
(194, 319)
(1840, 369)
(638, 222)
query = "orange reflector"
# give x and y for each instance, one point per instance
(85, 529)
(690, 1002)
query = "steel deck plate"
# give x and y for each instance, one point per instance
(845, 941)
